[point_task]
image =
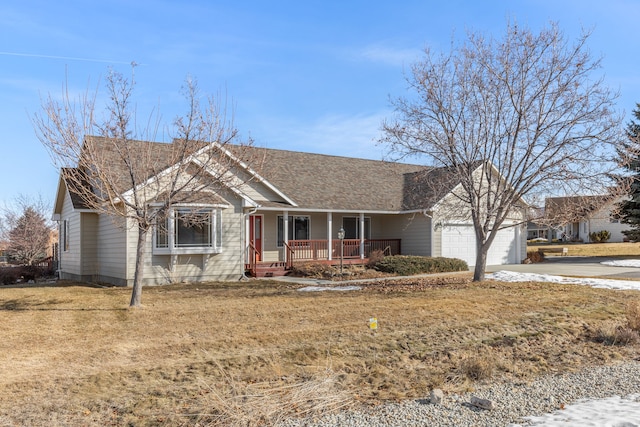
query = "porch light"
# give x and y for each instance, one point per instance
(341, 238)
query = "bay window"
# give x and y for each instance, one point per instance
(188, 231)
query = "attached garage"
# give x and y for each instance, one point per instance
(459, 241)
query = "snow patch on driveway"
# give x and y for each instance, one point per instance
(512, 276)
(623, 263)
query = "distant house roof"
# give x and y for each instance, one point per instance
(574, 208)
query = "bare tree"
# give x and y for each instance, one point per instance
(526, 108)
(110, 166)
(26, 229)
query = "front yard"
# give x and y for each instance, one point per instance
(593, 249)
(200, 354)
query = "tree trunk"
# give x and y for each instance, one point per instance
(136, 293)
(481, 261)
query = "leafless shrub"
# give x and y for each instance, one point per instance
(374, 258)
(625, 335)
(613, 334)
(314, 269)
(477, 368)
(633, 315)
(535, 256)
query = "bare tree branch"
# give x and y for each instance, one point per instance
(111, 168)
(516, 119)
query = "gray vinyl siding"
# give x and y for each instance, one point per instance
(89, 244)
(257, 191)
(415, 234)
(70, 259)
(111, 250)
(437, 241)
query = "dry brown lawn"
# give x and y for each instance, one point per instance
(595, 249)
(252, 352)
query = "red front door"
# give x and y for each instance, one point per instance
(255, 234)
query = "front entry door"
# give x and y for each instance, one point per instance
(255, 234)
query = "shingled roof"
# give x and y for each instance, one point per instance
(574, 208)
(154, 156)
(324, 182)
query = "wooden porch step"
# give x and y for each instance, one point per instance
(269, 269)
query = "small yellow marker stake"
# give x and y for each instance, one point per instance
(373, 323)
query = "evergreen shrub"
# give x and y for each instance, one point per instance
(600, 236)
(9, 275)
(404, 265)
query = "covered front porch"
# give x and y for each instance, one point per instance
(341, 251)
(329, 250)
(278, 240)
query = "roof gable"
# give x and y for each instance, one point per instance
(70, 180)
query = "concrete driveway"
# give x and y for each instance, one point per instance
(573, 266)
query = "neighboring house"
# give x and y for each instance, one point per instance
(290, 212)
(537, 231)
(3, 255)
(583, 215)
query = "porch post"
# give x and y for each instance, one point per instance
(245, 249)
(285, 232)
(361, 235)
(329, 236)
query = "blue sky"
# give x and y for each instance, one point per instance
(302, 75)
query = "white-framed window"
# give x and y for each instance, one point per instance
(299, 228)
(64, 232)
(351, 225)
(188, 230)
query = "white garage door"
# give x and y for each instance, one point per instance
(459, 241)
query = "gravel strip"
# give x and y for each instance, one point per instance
(513, 402)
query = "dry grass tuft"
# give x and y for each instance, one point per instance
(268, 403)
(477, 368)
(611, 333)
(614, 333)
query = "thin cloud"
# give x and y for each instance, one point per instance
(390, 55)
(65, 58)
